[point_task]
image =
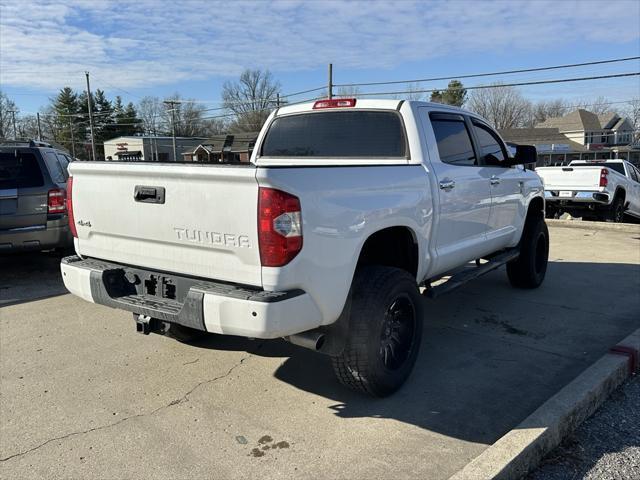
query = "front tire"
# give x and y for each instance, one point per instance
(530, 268)
(385, 331)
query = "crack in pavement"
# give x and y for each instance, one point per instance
(177, 401)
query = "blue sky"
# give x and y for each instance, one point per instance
(154, 47)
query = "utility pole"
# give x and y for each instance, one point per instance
(39, 128)
(277, 100)
(330, 89)
(13, 116)
(73, 139)
(172, 104)
(93, 138)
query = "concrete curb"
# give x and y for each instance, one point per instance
(617, 227)
(521, 449)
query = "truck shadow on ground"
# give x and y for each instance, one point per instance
(490, 354)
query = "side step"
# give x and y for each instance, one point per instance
(466, 275)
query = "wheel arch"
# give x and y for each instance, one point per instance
(377, 250)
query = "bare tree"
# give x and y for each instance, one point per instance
(251, 99)
(502, 106)
(598, 105)
(6, 107)
(632, 112)
(188, 116)
(27, 126)
(151, 112)
(549, 109)
(348, 92)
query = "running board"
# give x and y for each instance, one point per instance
(467, 275)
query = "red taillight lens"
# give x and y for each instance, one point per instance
(335, 103)
(279, 227)
(56, 201)
(72, 222)
(604, 181)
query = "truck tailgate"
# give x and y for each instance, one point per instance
(570, 178)
(198, 220)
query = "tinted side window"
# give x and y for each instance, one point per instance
(454, 142)
(53, 165)
(346, 134)
(63, 160)
(634, 174)
(22, 171)
(491, 150)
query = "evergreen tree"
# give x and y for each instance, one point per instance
(455, 94)
(66, 118)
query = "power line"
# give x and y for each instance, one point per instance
(475, 75)
(497, 85)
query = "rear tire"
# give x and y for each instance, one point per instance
(616, 214)
(529, 269)
(385, 331)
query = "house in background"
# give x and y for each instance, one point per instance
(579, 135)
(231, 148)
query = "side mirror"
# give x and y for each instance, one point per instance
(525, 154)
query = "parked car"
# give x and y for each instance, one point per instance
(33, 212)
(594, 190)
(346, 209)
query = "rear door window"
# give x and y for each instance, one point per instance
(354, 134)
(56, 170)
(21, 171)
(454, 142)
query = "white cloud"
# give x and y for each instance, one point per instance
(44, 44)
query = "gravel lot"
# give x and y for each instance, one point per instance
(604, 447)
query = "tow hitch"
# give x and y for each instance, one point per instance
(147, 325)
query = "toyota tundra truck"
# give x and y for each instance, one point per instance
(349, 213)
(594, 190)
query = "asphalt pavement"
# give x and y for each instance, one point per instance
(84, 396)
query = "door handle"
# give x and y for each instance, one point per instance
(447, 184)
(494, 180)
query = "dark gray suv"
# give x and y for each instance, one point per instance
(33, 210)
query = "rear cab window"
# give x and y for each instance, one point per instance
(355, 134)
(19, 170)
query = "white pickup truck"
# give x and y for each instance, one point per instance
(347, 208)
(594, 190)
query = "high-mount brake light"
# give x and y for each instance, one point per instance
(334, 103)
(56, 201)
(604, 180)
(279, 227)
(72, 222)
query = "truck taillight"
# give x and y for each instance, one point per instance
(604, 181)
(72, 222)
(334, 103)
(56, 201)
(279, 227)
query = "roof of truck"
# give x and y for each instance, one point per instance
(369, 103)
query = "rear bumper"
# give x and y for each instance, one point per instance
(55, 234)
(578, 197)
(211, 306)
